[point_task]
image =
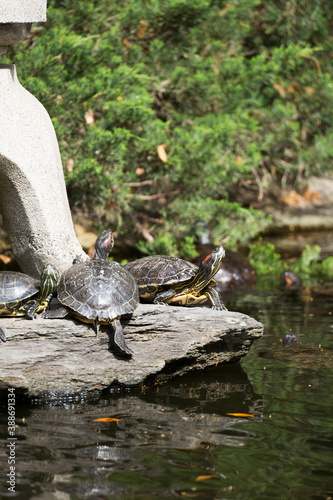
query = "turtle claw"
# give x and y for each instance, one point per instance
(219, 308)
(2, 335)
(119, 338)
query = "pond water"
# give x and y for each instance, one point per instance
(259, 429)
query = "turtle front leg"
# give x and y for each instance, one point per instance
(30, 309)
(119, 337)
(214, 298)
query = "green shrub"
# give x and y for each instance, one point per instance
(227, 89)
(309, 267)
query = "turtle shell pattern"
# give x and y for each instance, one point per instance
(161, 270)
(15, 287)
(98, 290)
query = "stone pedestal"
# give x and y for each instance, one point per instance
(16, 17)
(33, 198)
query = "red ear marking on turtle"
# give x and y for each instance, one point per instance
(206, 258)
(288, 281)
(109, 241)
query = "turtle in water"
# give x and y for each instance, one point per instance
(98, 291)
(289, 340)
(290, 281)
(170, 280)
(23, 295)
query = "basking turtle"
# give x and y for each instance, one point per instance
(234, 272)
(169, 280)
(23, 295)
(98, 291)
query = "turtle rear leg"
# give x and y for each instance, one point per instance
(96, 325)
(119, 337)
(165, 296)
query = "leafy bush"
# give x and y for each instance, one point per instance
(309, 267)
(162, 107)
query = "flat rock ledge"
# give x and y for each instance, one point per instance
(62, 356)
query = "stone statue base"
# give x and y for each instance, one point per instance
(33, 198)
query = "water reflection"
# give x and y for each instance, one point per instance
(186, 438)
(61, 440)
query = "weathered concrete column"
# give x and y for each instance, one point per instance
(33, 198)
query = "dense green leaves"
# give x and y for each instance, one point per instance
(230, 89)
(310, 266)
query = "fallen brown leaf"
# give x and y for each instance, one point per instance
(162, 153)
(204, 478)
(106, 419)
(5, 259)
(241, 414)
(280, 89)
(89, 117)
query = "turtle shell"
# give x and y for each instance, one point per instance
(159, 270)
(98, 290)
(15, 287)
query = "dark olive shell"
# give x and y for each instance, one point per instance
(98, 289)
(16, 287)
(161, 270)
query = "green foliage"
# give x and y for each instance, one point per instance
(327, 268)
(165, 244)
(228, 88)
(267, 263)
(309, 267)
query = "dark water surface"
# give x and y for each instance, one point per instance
(179, 440)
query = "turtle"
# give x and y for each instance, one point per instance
(290, 281)
(23, 295)
(289, 340)
(98, 291)
(170, 280)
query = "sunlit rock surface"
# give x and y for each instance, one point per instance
(63, 355)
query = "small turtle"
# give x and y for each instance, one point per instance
(98, 291)
(289, 340)
(169, 280)
(23, 295)
(290, 281)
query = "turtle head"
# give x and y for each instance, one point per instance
(104, 245)
(211, 263)
(49, 280)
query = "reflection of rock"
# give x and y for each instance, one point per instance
(61, 435)
(63, 355)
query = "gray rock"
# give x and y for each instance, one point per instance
(63, 355)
